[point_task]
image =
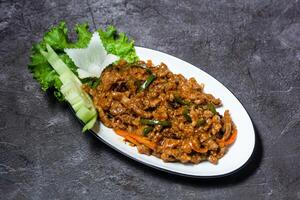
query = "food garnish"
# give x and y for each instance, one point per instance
(61, 65)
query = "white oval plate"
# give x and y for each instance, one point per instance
(238, 153)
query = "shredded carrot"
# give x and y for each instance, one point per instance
(130, 139)
(125, 134)
(121, 132)
(232, 138)
(144, 141)
(136, 139)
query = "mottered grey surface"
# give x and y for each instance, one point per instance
(252, 47)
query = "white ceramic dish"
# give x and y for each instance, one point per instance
(238, 153)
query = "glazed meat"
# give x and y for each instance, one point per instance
(163, 114)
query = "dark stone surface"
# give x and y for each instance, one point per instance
(252, 47)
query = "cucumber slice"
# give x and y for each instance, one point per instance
(78, 105)
(85, 114)
(90, 124)
(58, 65)
(71, 89)
(68, 76)
(74, 98)
(68, 88)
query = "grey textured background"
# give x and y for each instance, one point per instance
(252, 47)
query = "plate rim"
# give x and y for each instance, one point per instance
(171, 171)
(176, 172)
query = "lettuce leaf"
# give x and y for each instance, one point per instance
(57, 38)
(118, 44)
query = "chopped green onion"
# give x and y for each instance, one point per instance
(200, 122)
(93, 82)
(148, 81)
(138, 83)
(212, 108)
(153, 122)
(179, 100)
(186, 114)
(149, 71)
(147, 130)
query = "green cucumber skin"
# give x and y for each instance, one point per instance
(71, 89)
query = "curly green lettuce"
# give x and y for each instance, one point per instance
(57, 38)
(118, 44)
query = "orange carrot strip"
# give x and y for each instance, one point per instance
(232, 138)
(125, 134)
(130, 139)
(121, 132)
(136, 139)
(144, 141)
